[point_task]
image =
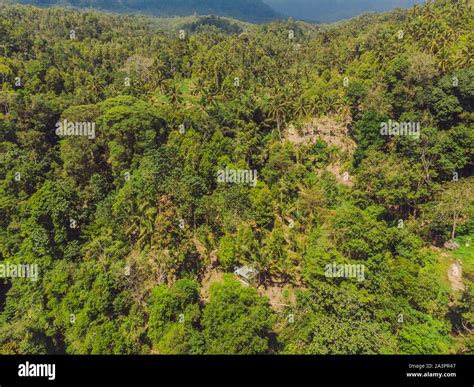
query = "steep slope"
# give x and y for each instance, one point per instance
(249, 10)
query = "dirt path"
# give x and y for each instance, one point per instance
(210, 277)
(455, 276)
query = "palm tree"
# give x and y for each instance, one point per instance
(443, 60)
(457, 10)
(143, 223)
(329, 102)
(173, 92)
(276, 107)
(415, 11)
(301, 106)
(199, 87)
(428, 14)
(158, 74)
(93, 89)
(316, 105)
(464, 58)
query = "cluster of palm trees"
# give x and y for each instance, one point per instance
(437, 35)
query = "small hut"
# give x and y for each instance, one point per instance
(247, 275)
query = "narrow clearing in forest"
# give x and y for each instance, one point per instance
(455, 276)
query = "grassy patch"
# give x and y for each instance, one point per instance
(466, 255)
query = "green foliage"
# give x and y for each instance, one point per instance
(236, 320)
(132, 230)
(367, 134)
(227, 252)
(424, 339)
(330, 321)
(207, 21)
(173, 314)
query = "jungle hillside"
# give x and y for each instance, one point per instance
(203, 185)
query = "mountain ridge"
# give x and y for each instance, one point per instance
(255, 11)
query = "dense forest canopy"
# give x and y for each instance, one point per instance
(249, 10)
(144, 160)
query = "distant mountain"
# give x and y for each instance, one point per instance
(249, 10)
(332, 10)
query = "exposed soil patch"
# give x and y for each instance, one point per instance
(342, 177)
(332, 131)
(276, 296)
(455, 276)
(327, 128)
(211, 276)
(279, 296)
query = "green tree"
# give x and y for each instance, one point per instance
(236, 320)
